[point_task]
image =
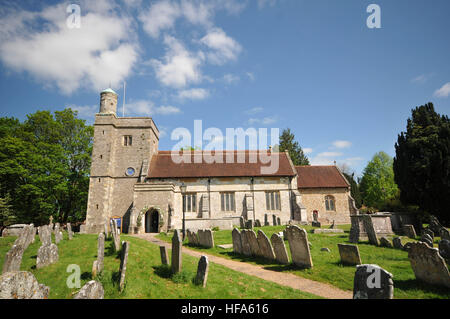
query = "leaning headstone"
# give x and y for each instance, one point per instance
(298, 245)
(333, 225)
(47, 255)
(249, 224)
(123, 264)
(98, 264)
(372, 282)
(91, 290)
(69, 231)
(435, 225)
(428, 265)
(407, 246)
(26, 236)
(279, 249)
(176, 252)
(397, 243)
(21, 285)
(13, 259)
(266, 220)
(370, 229)
(241, 222)
(427, 240)
(444, 248)
(206, 238)
(444, 233)
(106, 230)
(349, 254)
(45, 235)
(115, 235)
(429, 232)
(246, 249)
(274, 220)
(253, 241)
(384, 242)
(257, 223)
(278, 221)
(202, 271)
(266, 249)
(408, 230)
(163, 252)
(237, 243)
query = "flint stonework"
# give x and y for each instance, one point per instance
(280, 249)
(21, 285)
(237, 243)
(163, 253)
(123, 264)
(202, 271)
(372, 282)
(428, 265)
(265, 247)
(91, 290)
(349, 254)
(299, 247)
(176, 252)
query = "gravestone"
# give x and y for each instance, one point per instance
(407, 246)
(371, 233)
(372, 282)
(327, 231)
(253, 242)
(384, 242)
(427, 240)
(279, 248)
(428, 265)
(444, 233)
(69, 231)
(333, 225)
(299, 247)
(115, 235)
(106, 230)
(47, 255)
(237, 243)
(349, 254)
(91, 290)
(266, 220)
(163, 252)
(205, 238)
(241, 222)
(26, 236)
(429, 232)
(176, 252)
(202, 271)
(274, 220)
(246, 249)
(278, 221)
(123, 264)
(21, 285)
(444, 248)
(249, 224)
(257, 223)
(397, 243)
(435, 225)
(13, 259)
(45, 235)
(316, 224)
(408, 230)
(97, 267)
(265, 247)
(58, 237)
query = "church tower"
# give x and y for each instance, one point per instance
(121, 152)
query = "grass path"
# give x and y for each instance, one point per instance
(285, 279)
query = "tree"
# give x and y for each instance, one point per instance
(422, 162)
(288, 143)
(377, 183)
(354, 189)
(6, 215)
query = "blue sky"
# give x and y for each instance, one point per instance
(345, 90)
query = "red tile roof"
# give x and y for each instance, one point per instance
(162, 166)
(320, 177)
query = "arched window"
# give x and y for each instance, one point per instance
(330, 203)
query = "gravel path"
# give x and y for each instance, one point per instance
(285, 279)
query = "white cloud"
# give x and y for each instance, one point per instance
(223, 48)
(230, 78)
(329, 154)
(160, 16)
(193, 94)
(264, 121)
(264, 3)
(104, 50)
(148, 108)
(166, 110)
(444, 91)
(254, 110)
(325, 158)
(307, 150)
(342, 144)
(180, 67)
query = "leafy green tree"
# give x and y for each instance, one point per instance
(422, 162)
(288, 143)
(377, 183)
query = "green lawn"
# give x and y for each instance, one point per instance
(146, 277)
(327, 267)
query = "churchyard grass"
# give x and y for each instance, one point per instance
(327, 267)
(145, 276)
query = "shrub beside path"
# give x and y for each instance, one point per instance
(285, 279)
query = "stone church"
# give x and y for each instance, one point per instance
(144, 190)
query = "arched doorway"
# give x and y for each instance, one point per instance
(152, 221)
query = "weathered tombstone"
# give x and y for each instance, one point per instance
(299, 247)
(435, 225)
(13, 259)
(428, 265)
(47, 255)
(206, 238)
(427, 240)
(265, 247)
(429, 232)
(123, 264)
(45, 235)
(333, 225)
(444, 233)
(115, 235)
(91, 290)
(202, 271)
(26, 236)
(280, 249)
(349, 254)
(106, 230)
(371, 233)
(21, 285)
(274, 220)
(408, 230)
(176, 252)
(444, 248)
(249, 224)
(397, 243)
(316, 224)
(237, 243)
(246, 249)
(266, 220)
(69, 231)
(384, 242)
(163, 252)
(257, 223)
(241, 222)
(98, 264)
(407, 246)
(251, 239)
(372, 282)
(278, 221)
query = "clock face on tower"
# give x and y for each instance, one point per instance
(130, 171)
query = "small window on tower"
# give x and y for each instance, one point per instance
(127, 140)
